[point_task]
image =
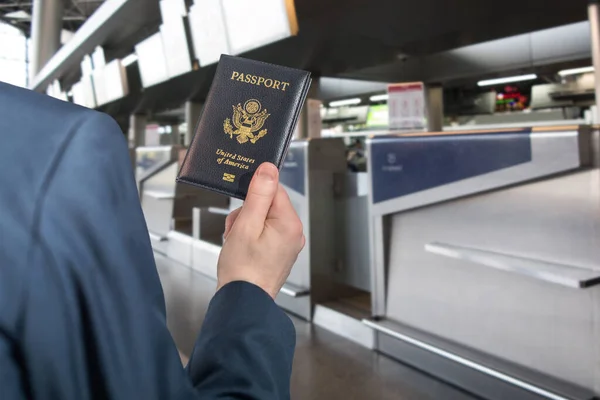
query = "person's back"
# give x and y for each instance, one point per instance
(81, 308)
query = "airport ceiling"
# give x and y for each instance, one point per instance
(18, 13)
(345, 35)
(349, 37)
(338, 37)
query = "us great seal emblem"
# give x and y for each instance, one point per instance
(247, 120)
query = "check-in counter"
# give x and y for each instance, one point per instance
(308, 174)
(167, 205)
(485, 258)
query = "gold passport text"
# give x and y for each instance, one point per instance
(259, 81)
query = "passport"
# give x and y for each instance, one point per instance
(249, 118)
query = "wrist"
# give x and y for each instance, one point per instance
(265, 288)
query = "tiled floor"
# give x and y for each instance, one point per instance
(326, 366)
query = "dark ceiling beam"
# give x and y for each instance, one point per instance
(15, 5)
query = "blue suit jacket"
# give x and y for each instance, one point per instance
(82, 312)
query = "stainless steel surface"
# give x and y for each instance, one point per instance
(595, 139)
(533, 124)
(326, 159)
(222, 211)
(179, 248)
(344, 325)
(314, 266)
(378, 242)
(46, 27)
(547, 327)
(160, 195)
(351, 238)
(541, 215)
(560, 274)
(294, 291)
(158, 238)
(158, 210)
(594, 18)
(196, 223)
(205, 256)
(485, 376)
(300, 274)
(394, 332)
(377, 248)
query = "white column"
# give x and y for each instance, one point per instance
(137, 130)
(594, 17)
(46, 27)
(309, 121)
(434, 97)
(192, 114)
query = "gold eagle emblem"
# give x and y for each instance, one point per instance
(247, 120)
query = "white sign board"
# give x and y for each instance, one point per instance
(252, 24)
(172, 10)
(151, 60)
(406, 106)
(99, 85)
(177, 53)
(208, 31)
(115, 81)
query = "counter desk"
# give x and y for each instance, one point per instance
(485, 258)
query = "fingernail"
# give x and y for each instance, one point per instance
(267, 171)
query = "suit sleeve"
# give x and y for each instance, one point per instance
(245, 348)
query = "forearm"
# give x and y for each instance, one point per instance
(245, 348)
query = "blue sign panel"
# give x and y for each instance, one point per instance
(404, 165)
(293, 169)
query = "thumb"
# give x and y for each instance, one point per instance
(261, 193)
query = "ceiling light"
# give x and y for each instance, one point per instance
(347, 102)
(130, 59)
(575, 71)
(509, 79)
(379, 97)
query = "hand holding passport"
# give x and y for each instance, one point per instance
(262, 238)
(249, 118)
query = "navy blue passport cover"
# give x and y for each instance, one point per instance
(249, 118)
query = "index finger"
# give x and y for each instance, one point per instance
(262, 190)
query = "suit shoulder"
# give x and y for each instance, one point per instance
(41, 106)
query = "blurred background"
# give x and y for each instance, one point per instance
(446, 167)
